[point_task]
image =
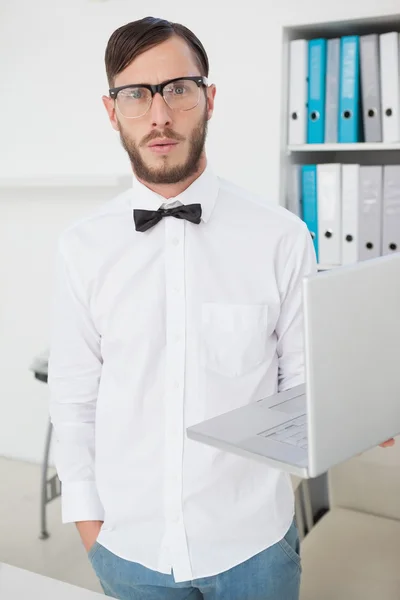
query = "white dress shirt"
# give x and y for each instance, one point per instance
(154, 332)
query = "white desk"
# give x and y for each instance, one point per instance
(18, 584)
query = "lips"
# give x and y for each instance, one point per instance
(164, 142)
(162, 146)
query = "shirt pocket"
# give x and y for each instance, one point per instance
(233, 337)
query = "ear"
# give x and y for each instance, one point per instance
(211, 91)
(109, 105)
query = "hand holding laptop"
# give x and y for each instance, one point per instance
(388, 443)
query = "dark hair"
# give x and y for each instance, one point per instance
(132, 39)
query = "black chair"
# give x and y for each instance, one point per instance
(50, 485)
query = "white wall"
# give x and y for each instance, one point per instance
(55, 50)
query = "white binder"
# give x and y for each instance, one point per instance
(350, 213)
(298, 72)
(370, 212)
(329, 214)
(391, 209)
(390, 85)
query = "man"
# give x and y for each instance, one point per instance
(177, 301)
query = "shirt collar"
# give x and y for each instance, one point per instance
(204, 190)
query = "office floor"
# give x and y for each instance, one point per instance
(62, 555)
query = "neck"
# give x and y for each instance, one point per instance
(171, 190)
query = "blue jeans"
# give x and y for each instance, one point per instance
(274, 574)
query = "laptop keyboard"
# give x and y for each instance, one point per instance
(293, 432)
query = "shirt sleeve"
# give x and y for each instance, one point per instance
(297, 260)
(74, 375)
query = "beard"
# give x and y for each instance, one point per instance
(167, 174)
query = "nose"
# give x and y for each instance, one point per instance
(160, 112)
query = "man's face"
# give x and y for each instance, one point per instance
(160, 164)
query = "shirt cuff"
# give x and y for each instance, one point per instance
(290, 382)
(80, 502)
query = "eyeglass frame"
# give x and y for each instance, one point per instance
(158, 88)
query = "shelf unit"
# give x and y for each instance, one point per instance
(360, 147)
(360, 153)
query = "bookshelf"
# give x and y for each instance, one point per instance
(362, 153)
(358, 147)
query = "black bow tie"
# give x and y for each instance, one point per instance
(145, 219)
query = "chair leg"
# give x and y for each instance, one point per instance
(309, 518)
(43, 500)
(299, 514)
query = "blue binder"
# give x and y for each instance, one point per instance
(309, 202)
(349, 99)
(316, 91)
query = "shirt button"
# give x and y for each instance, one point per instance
(176, 384)
(175, 241)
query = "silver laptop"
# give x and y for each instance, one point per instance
(350, 401)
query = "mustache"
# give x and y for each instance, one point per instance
(167, 133)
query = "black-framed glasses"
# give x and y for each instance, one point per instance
(181, 93)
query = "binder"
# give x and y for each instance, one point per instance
(370, 88)
(294, 190)
(349, 98)
(316, 91)
(389, 64)
(370, 212)
(309, 202)
(350, 210)
(332, 91)
(329, 213)
(391, 209)
(298, 74)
